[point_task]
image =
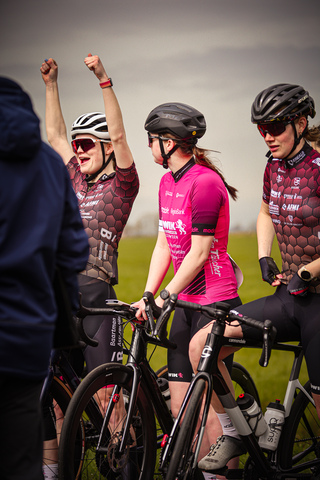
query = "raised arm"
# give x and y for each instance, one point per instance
(55, 125)
(113, 114)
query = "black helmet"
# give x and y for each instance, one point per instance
(282, 102)
(180, 120)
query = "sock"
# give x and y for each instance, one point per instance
(227, 426)
(50, 472)
(208, 476)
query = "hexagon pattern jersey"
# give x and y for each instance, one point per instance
(292, 190)
(105, 209)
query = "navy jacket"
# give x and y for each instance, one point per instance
(40, 227)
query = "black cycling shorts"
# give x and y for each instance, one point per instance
(296, 318)
(185, 325)
(107, 329)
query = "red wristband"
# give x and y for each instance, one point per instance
(106, 84)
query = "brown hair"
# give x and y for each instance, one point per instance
(201, 157)
(312, 134)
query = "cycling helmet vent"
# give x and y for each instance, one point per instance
(282, 102)
(178, 119)
(93, 123)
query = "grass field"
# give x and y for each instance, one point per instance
(134, 258)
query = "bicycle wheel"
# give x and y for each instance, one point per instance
(59, 397)
(241, 378)
(181, 456)
(243, 382)
(300, 438)
(100, 450)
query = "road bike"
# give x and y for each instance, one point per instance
(123, 443)
(298, 453)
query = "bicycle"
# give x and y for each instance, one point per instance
(298, 453)
(65, 373)
(127, 447)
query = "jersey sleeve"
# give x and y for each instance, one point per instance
(126, 182)
(266, 184)
(208, 195)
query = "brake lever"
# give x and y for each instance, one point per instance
(269, 334)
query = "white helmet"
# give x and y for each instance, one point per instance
(93, 123)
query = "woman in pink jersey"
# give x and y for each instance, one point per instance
(193, 234)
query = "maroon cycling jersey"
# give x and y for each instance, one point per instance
(105, 209)
(292, 190)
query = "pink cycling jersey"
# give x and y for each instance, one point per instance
(194, 201)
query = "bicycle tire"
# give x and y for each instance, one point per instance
(300, 437)
(241, 378)
(103, 462)
(182, 454)
(243, 382)
(61, 396)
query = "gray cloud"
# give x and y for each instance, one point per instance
(213, 54)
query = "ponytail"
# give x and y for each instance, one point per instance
(201, 157)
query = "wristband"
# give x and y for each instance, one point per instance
(106, 84)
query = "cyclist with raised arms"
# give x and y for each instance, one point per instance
(193, 234)
(290, 210)
(105, 179)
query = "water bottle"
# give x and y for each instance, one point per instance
(252, 413)
(274, 417)
(164, 388)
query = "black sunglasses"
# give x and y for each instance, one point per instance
(274, 129)
(85, 143)
(152, 137)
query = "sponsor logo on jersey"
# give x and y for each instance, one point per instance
(107, 234)
(316, 161)
(181, 226)
(279, 178)
(80, 196)
(275, 194)
(165, 209)
(273, 209)
(296, 181)
(174, 226)
(176, 211)
(179, 195)
(168, 194)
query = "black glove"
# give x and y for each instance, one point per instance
(269, 269)
(298, 286)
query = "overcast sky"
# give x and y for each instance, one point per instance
(215, 55)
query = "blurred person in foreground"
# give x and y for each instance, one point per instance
(41, 231)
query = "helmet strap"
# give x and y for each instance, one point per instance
(297, 139)
(105, 163)
(166, 156)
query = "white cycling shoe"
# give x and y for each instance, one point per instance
(221, 452)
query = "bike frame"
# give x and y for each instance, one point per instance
(144, 377)
(59, 359)
(208, 371)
